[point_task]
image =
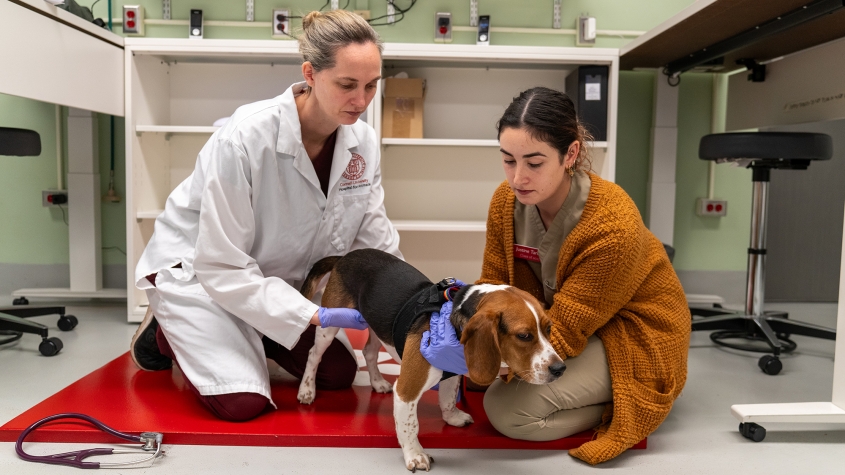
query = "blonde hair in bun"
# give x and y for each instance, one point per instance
(323, 33)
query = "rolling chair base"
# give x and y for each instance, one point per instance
(13, 325)
(771, 328)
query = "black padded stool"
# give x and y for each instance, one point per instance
(762, 151)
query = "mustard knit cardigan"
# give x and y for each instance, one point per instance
(614, 280)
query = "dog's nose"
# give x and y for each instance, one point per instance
(557, 369)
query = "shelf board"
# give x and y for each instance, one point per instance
(176, 129)
(400, 224)
(441, 142)
(454, 226)
(118, 294)
(457, 142)
(149, 214)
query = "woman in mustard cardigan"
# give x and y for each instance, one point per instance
(578, 243)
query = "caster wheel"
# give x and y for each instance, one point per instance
(67, 323)
(752, 431)
(50, 346)
(770, 365)
(20, 301)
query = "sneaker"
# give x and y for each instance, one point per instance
(144, 348)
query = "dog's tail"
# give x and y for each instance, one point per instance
(321, 268)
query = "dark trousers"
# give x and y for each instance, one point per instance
(336, 370)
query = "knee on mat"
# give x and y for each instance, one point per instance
(338, 375)
(236, 407)
(504, 418)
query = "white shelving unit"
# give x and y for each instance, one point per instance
(175, 129)
(454, 226)
(437, 189)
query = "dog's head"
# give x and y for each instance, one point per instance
(503, 323)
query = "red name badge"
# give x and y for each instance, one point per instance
(526, 253)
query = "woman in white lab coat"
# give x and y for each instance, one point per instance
(284, 183)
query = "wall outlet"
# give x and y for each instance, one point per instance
(711, 208)
(442, 27)
(473, 12)
(133, 20)
(281, 23)
(391, 12)
(53, 198)
(586, 31)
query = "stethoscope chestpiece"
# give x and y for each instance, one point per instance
(151, 440)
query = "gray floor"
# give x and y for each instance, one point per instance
(700, 435)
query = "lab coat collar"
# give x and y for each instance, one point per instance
(289, 141)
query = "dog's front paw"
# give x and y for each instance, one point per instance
(381, 386)
(457, 418)
(418, 461)
(307, 391)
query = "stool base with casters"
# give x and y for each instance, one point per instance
(773, 329)
(13, 325)
(761, 152)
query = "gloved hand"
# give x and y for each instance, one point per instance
(440, 345)
(341, 318)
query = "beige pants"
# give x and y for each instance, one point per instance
(572, 404)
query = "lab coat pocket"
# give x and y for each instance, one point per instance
(349, 212)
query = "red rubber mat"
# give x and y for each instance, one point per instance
(131, 400)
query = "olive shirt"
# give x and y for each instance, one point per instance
(529, 231)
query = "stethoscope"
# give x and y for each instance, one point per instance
(151, 441)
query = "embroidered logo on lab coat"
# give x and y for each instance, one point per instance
(356, 167)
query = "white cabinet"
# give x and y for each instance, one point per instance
(437, 188)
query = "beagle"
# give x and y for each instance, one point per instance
(495, 323)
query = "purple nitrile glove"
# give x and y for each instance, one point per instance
(341, 318)
(440, 345)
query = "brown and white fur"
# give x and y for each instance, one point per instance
(495, 323)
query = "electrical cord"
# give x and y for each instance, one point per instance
(400, 12)
(116, 249)
(64, 215)
(106, 248)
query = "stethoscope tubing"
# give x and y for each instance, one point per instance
(73, 459)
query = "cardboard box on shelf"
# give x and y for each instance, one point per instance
(403, 108)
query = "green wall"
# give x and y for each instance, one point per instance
(633, 138)
(31, 234)
(418, 25)
(707, 243)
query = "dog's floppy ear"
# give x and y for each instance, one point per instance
(481, 347)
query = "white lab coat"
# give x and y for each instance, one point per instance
(247, 226)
